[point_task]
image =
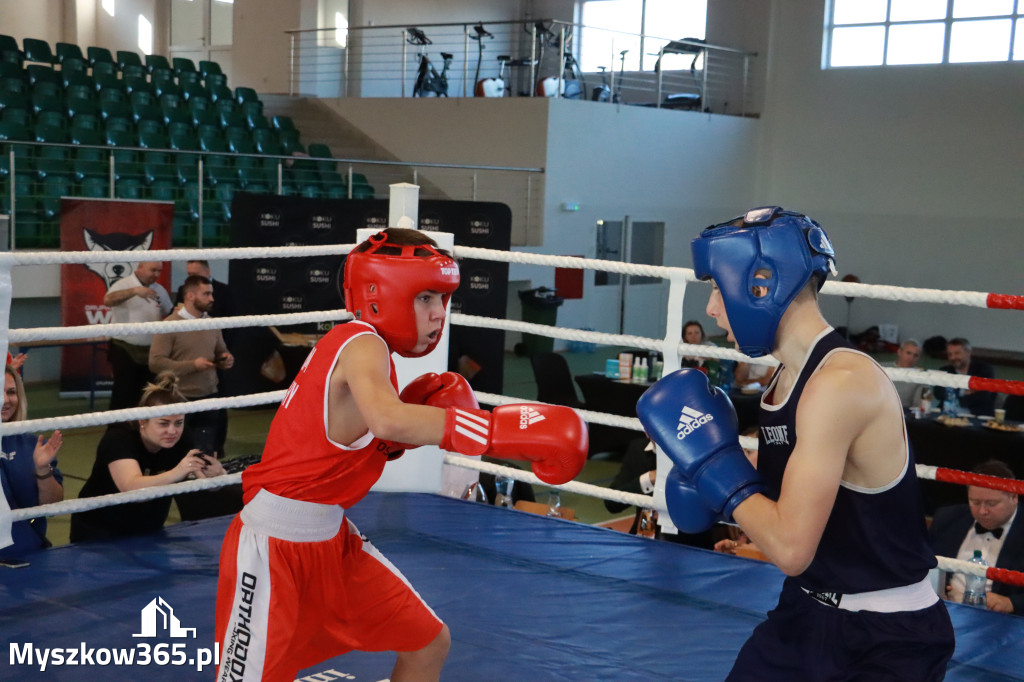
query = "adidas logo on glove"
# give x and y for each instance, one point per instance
(528, 416)
(690, 420)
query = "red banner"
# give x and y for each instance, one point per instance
(103, 225)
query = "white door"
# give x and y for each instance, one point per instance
(201, 30)
(631, 304)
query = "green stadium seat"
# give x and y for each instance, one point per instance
(78, 99)
(118, 124)
(205, 67)
(54, 187)
(158, 166)
(266, 142)
(128, 188)
(217, 80)
(16, 115)
(145, 107)
(152, 135)
(232, 118)
(12, 70)
(137, 84)
(163, 190)
(94, 187)
(37, 50)
(10, 44)
(88, 162)
(12, 98)
(99, 55)
(52, 119)
(184, 65)
(52, 160)
(112, 107)
(283, 123)
(126, 163)
(75, 72)
(10, 135)
(157, 61)
(129, 58)
(13, 57)
(255, 120)
(44, 101)
(195, 91)
(245, 94)
(38, 73)
(105, 75)
(65, 51)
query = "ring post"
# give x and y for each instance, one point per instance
(6, 293)
(670, 353)
(421, 469)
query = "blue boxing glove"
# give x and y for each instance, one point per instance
(687, 510)
(695, 425)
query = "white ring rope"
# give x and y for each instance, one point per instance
(91, 331)
(78, 421)
(141, 495)
(9, 259)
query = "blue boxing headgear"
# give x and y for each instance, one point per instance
(787, 245)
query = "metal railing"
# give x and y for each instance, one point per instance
(202, 185)
(521, 59)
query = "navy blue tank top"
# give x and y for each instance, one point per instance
(875, 538)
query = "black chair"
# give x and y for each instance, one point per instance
(554, 380)
(1014, 407)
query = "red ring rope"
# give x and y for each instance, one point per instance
(966, 478)
(1005, 575)
(996, 385)
(1005, 301)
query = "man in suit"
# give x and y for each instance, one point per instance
(958, 353)
(992, 523)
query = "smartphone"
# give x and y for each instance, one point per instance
(204, 439)
(13, 563)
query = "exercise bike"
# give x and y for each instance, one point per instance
(428, 79)
(573, 86)
(487, 87)
(603, 92)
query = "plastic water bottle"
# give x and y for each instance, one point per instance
(951, 405)
(974, 589)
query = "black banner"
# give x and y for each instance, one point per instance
(287, 285)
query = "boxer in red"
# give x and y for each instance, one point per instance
(298, 584)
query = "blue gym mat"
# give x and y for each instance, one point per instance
(527, 598)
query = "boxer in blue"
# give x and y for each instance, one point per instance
(834, 501)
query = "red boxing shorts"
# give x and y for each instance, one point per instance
(299, 585)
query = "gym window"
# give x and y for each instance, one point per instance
(897, 32)
(611, 26)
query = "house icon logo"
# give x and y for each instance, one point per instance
(158, 616)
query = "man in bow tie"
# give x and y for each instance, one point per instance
(989, 522)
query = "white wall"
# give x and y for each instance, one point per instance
(914, 171)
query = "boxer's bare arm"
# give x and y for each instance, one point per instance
(362, 398)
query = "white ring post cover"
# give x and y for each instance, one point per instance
(420, 469)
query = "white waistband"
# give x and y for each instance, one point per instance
(292, 520)
(906, 598)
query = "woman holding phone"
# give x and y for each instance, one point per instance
(142, 454)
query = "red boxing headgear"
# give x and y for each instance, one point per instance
(381, 288)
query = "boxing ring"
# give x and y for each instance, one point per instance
(526, 597)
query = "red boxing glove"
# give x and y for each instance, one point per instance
(440, 390)
(552, 438)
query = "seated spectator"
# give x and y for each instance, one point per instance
(149, 452)
(990, 522)
(28, 470)
(907, 356)
(748, 376)
(958, 353)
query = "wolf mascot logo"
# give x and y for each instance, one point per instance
(114, 241)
